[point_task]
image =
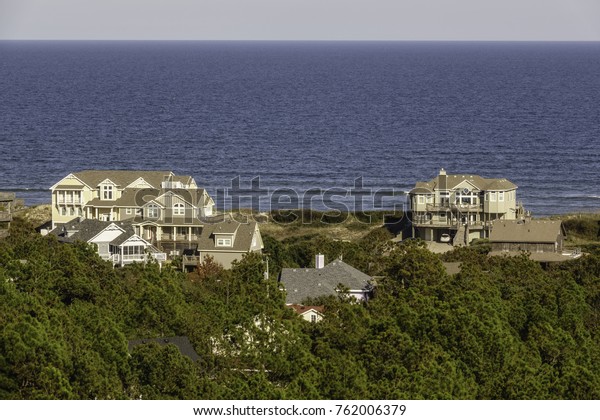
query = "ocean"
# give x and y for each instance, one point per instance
(305, 115)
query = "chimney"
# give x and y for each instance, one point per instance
(319, 261)
(442, 180)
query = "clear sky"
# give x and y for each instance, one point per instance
(568, 20)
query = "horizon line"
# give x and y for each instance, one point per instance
(300, 40)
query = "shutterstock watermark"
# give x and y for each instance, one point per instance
(287, 205)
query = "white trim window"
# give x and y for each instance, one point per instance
(493, 196)
(152, 211)
(501, 196)
(224, 242)
(107, 192)
(178, 209)
(421, 199)
(128, 210)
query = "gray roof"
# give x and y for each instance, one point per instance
(526, 231)
(243, 235)
(86, 229)
(302, 283)
(181, 342)
(452, 181)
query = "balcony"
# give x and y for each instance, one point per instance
(192, 260)
(178, 237)
(454, 207)
(421, 221)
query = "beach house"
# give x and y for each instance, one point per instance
(460, 208)
(165, 209)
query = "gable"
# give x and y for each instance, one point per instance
(135, 240)
(107, 181)
(108, 234)
(169, 199)
(71, 182)
(139, 183)
(466, 184)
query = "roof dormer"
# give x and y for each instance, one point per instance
(107, 190)
(224, 240)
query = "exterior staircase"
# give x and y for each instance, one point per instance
(461, 238)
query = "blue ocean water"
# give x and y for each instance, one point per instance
(306, 114)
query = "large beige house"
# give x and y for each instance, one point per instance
(165, 209)
(162, 211)
(460, 208)
(122, 195)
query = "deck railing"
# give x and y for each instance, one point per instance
(191, 259)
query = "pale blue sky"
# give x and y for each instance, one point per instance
(568, 20)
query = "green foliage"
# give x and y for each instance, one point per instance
(583, 227)
(503, 328)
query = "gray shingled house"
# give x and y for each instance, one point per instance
(303, 283)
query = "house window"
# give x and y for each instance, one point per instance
(152, 211)
(429, 198)
(313, 318)
(421, 199)
(128, 210)
(63, 211)
(133, 250)
(223, 242)
(493, 196)
(178, 209)
(79, 212)
(501, 196)
(107, 192)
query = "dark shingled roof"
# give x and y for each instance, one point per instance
(526, 231)
(86, 229)
(181, 342)
(302, 283)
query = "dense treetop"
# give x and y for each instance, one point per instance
(503, 328)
